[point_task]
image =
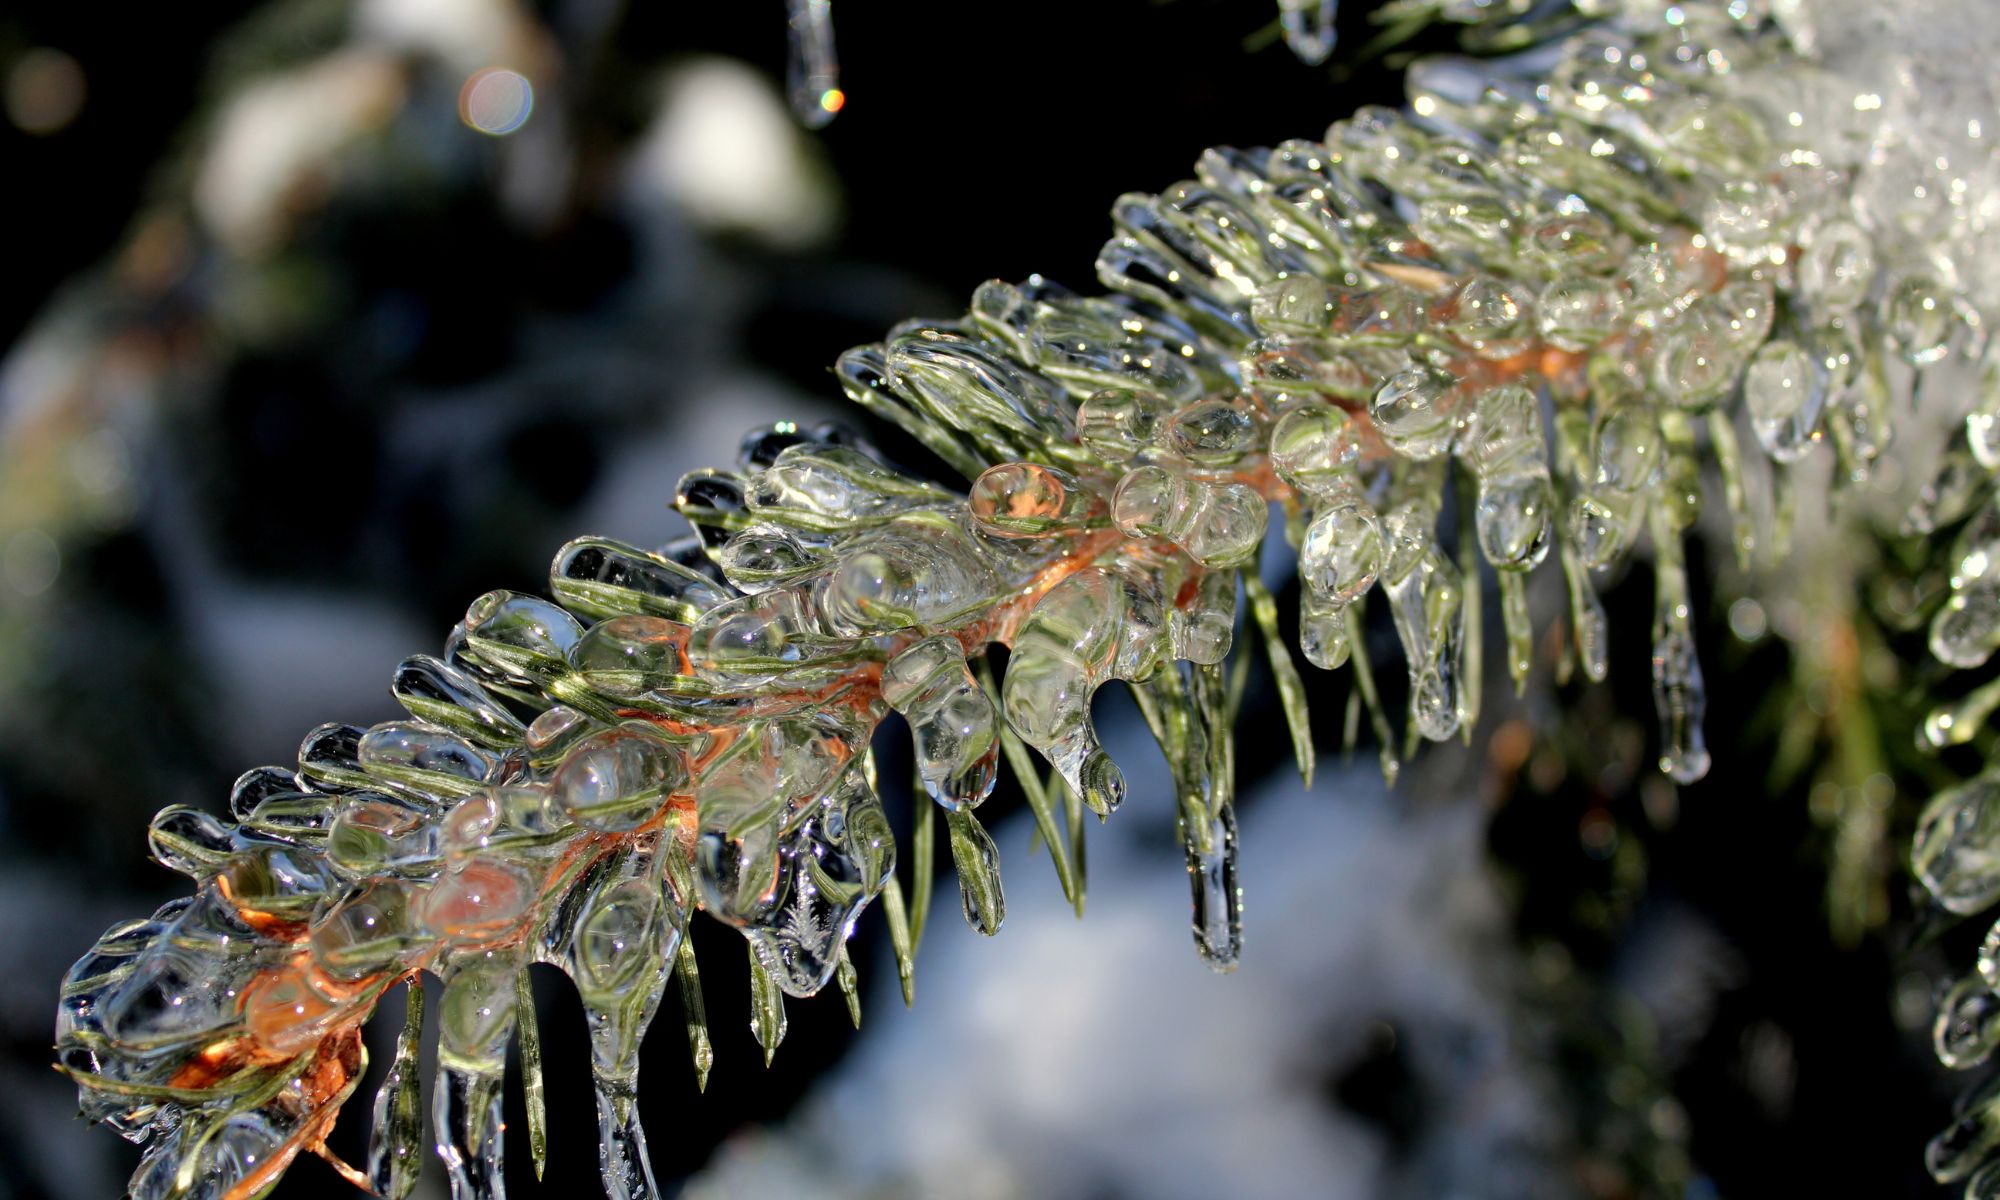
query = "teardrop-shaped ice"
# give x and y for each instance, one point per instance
(1342, 553)
(1784, 390)
(1094, 626)
(1316, 449)
(1413, 412)
(1967, 1028)
(618, 779)
(951, 720)
(1956, 852)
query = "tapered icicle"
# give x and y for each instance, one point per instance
(1729, 464)
(978, 863)
(897, 914)
(1218, 911)
(1971, 1137)
(1052, 824)
(1588, 625)
(1093, 627)
(395, 1147)
(850, 985)
(695, 1012)
(475, 1022)
(767, 1009)
(812, 72)
(952, 721)
(528, 1031)
(1520, 628)
(1678, 692)
(1425, 594)
(1364, 686)
(623, 946)
(1784, 512)
(1284, 674)
(1471, 625)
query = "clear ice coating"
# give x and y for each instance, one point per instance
(1530, 295)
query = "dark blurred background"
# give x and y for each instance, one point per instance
(298, 362)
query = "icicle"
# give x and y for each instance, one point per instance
(624, 941)
(1520, 629)
(952, 721)
(695, 1013)
(528, 1030)
(475, 1021)
(1955, 723)
(812, 72)
(1424, 597)
(978, 863)
(767, 1009)
(1729, 464)
(395, 1147)
(1094, 626)
(850, 985)
(1678, 692)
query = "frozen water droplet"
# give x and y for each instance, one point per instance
(1296, 304)
(1342, 553)
(1309, 28)
(1836, 266)
(616, 780)
(978, 863)
(1966, 631)
(1212, 433)
(1578, 311)
(1316, 449)
(1917, 315)
(600, 578)
(1967, 1028)
(523, 637)
(951, 720)
(366, 931)
(1413, 411)
(1094, 626)
(1218, 900)
(1217, 524)
(1784, 391)
(1954, 853)
(1121, 423)
(1027, 500)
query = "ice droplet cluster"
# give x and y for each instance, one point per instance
(1502, 325)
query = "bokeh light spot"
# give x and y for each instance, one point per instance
(30, 563)
(45, 90)
(496, 100)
